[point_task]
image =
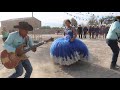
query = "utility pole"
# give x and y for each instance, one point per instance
(33, 30)
(32, 14)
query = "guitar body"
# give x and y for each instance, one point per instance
(9, 60)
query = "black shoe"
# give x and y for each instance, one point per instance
(114, 67)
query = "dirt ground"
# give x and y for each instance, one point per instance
(96, 67)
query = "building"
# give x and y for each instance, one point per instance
(11, 22)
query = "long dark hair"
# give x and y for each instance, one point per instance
(67, 20)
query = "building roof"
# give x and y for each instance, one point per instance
(20, 19)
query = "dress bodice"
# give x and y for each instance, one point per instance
(68, 32)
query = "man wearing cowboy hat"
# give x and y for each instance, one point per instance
(14, 40)
(112, 39)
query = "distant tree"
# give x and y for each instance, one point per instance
(101, 21)
(108, 19)
(93, 21)
(64, 23)
(55, 27)
(46, 27)
(74, 22)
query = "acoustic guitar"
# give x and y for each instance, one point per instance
(11, 60)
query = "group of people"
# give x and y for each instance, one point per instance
(95, 32)
(65, 50)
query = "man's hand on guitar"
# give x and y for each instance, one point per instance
(19, 51)
(34, 49)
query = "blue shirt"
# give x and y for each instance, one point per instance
(114, 31)
(14, 40)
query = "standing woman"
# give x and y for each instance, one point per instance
(85, 30)
(93, 32)
(97, 30)
(5, 34)
(112, 41)
(90, 31)
(68, 50)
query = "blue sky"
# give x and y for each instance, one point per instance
(54, 19)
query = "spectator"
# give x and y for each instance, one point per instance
(5, 34)
(90, 31)
(97, 30)
(106, 30)
(85, 30)
(80, 31)
(93, 32)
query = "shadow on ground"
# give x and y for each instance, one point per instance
(89, 70)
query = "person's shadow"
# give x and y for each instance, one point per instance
(83, 69)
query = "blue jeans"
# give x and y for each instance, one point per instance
(19, 69)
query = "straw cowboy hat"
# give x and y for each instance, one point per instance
(117, 17)
(24, 25)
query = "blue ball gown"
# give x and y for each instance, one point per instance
(65, 52)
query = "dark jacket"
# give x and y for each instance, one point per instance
(79, 30)
(93, 30)
(107, 29)
(85, 29)
(97, 30)
(90, 29)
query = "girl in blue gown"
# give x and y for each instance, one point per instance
(68, 50)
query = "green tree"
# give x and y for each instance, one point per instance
(74, 22)
(46, 27)
(93, 21)
(55, 27)
(64, 23)
(108, 19)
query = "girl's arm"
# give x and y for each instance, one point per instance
(74, 34)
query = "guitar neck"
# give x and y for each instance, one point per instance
(39, 44)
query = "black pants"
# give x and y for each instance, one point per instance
(85, 33)
(90, 35)
(93, 34)
(113, 44)
(80, 35)
(97, 34)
